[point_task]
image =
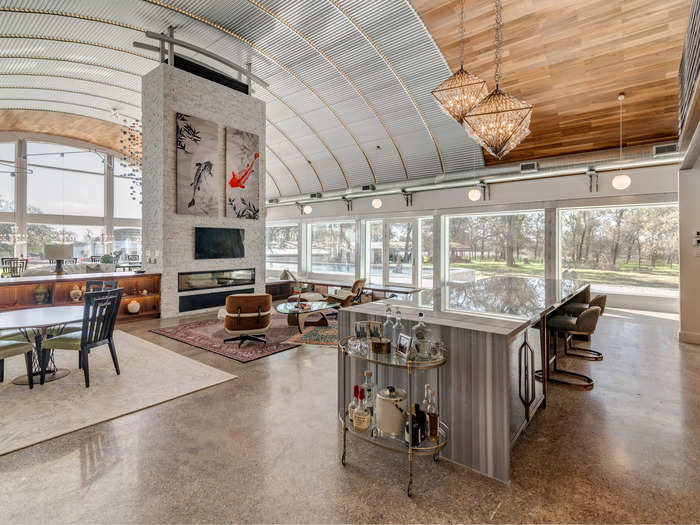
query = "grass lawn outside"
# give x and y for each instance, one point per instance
(628, 275)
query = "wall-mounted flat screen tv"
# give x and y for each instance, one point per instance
(219, 243)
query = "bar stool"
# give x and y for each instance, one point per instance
(567, 325)
(575, 309)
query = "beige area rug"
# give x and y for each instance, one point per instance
(150, 374)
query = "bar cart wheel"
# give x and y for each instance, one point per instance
(436, 456)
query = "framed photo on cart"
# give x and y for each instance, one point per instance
(403, 346)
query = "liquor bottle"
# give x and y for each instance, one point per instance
(426, 397)
(352, 406)
(433, 419)
(419, 338)
(396, 329)
(370, 391)
(414, 428)
(388, 326)
(362, 419)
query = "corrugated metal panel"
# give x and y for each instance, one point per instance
(332, 90)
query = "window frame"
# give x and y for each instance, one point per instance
(21, 217)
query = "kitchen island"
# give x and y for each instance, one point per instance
(495, 333)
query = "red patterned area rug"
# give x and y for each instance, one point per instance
(209, 335)
(317, 335)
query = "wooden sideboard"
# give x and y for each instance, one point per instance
(18, 292)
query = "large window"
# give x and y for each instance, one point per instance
(282, 248)
(128, 240)
(86, 240)
(621, 249)
(485, 245)
(375, 252)
(425, 272)
(64, 181)
(333, 248)
(68, 195)
(127, 191)
(7, 176)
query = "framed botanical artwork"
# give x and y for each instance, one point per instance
(242, 174)
(197, 143)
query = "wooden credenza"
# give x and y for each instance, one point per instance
(18, 292)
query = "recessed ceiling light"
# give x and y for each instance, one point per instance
(474, 194)
(377, 203)
(308, 209)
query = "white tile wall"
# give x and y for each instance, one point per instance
(166, 91)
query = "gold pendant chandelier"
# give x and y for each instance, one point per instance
(500, 121)
(463, 90)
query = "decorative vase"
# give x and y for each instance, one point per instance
(133, 307)
(76, 293)
(41, 294)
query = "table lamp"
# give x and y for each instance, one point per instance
(59, 253)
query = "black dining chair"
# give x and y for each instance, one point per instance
(95, 258)
(99, 316)
(10, 348)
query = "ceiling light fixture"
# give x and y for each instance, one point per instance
(307, 209)
(500, 121)
(463, 90)
(621, 181)
(474, 194)
(377, 203)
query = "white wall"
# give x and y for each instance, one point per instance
(167, 90)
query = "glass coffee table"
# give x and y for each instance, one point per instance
(298, 316)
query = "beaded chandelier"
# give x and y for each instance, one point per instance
(463, 90)
(500, 121)
(131, 145)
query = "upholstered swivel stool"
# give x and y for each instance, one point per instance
(566, 325)
(575, 309)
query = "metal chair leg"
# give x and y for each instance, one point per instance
(583, 382)
(581, 352)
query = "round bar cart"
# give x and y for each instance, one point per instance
(394, 444)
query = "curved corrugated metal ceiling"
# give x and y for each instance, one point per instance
(348, 101)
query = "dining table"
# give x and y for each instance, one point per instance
(34, 325)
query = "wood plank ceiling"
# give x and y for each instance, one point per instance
(571, 58)
(87, 129)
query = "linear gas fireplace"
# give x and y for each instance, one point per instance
(188, 281)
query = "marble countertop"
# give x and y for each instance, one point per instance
(502, 305)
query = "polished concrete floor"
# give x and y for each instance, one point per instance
(265, 448)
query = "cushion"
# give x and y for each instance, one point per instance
(341, 295)
(575, 308)
(307, 296)
(562, 322)
(10, 348)
(70, 341)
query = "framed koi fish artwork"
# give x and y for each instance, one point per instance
(242, 174)
(198, 178)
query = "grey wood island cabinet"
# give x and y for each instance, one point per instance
(495, 333)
